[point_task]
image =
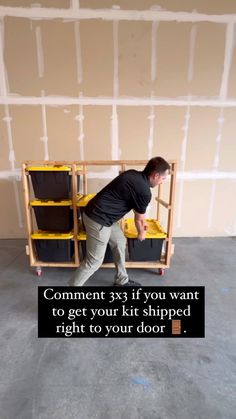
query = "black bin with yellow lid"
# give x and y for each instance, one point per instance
(149, 249)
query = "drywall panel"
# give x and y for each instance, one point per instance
(232, 73)
(195, 205)
(168, 132)
(95, 185)
(60, 4)
(177, 220)
(59, 53)
(100, 176)
(135, 58)
(20, 57)
(201, 146)
(172, 57)
(10, 214)
(26, 129)
(133, 132)
(224, 212)
(97, 133)
(96, 39)
(63, 133)
(215, 7)
(4, 142)
(227, 152)
(208, 59)
(198, 199)
(123, 4)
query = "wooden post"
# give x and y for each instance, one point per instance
(75, 217)
(85, 183)
(158, 203)
(122, 221)
(170, 214)
(29, 223)
(123, 167)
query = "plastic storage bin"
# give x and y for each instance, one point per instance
(51, 182)
(108, 258)
(53, 247)
(148, 250)
(53, 215)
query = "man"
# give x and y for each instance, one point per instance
(128, 191)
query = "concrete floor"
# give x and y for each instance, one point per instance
(120, 378)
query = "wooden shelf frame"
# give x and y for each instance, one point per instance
(83, 171)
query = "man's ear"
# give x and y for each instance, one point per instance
(156, 175)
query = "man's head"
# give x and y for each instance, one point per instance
(156, 170)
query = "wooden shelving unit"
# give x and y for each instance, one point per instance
(122, 165)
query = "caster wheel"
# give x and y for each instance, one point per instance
(161, 272)
(38, 271)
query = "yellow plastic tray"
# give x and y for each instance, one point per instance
(51, 235)
(47, 203)
(85, 199)
(154, 229)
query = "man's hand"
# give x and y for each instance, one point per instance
(141, 236)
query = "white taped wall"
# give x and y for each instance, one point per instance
(83, 83)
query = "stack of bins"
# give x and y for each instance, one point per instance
(81, 204)
(53, 212)
(149, 249)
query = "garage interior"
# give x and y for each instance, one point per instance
(93, 80)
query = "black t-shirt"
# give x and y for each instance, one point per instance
(128, 191)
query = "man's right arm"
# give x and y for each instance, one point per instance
(140, 224)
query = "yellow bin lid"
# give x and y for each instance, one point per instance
(40, 234)
(81, 235)
(47, 203)
(154, 229)
(54, 168)
(85, 199)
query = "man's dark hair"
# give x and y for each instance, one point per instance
(156, 164)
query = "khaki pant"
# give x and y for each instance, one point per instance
(98, 237)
